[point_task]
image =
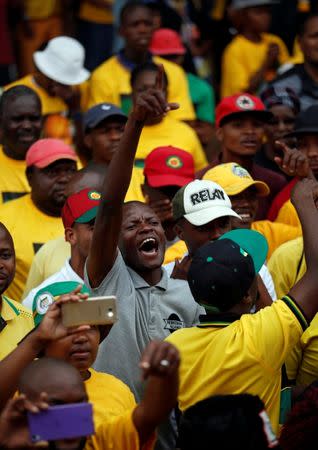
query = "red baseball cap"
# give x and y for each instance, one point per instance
(46, 151)
(166, 42)
(80, 207)
(230, 107)
(169, 166)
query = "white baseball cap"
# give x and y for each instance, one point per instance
(62, 60)
(202, 201)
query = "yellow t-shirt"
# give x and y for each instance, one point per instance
(175, 251)
(13, 181)
(276, 234)
(245, 356)
(96, 14)
(171, 132)
(39, 9)
(118, 433)
(288, 215)
(48, 260)
(109, 396)
(243, 58)
(30, 229)
(50, 105)
(110, 83)
(19, 323)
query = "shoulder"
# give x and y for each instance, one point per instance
(19, 308)
(290, 250)
(103, 69)
(269, 37)
(108, 380)
(285, 77)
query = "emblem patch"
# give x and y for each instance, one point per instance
(43, 302)
(174, 162)
(93, 195)
(245, 102)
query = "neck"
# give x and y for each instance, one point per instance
(85, 374)
(152, 277)
(12, 153)
(77, 262)
(312, 70)
(244, 161)
(38, 78)
(51, 210)
(135, 56)
(252, 36)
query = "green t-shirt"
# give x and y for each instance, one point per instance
(202, 96)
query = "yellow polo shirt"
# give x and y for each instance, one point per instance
(30, 228)
(110, 83)
(109, 396)
(242, 58)
(245, 356)
(118, 433)
(39, 9)
(13, 181)
(19, 323)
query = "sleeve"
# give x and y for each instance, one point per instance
(117, 282)
(274, 331)
(235, 77)
(118, 433)
(28, 301)
(268, 281)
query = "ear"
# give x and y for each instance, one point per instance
(70, 236)
(179, 231)
(219, 134)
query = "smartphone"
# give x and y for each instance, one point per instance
(69, 421)
(93, 311)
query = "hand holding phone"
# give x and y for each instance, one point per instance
(61, 422)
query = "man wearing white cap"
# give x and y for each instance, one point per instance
(60, 67)
(202, 211)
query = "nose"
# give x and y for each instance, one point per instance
(80, 337)
(115, 135)
(144, 227)
(26, 124)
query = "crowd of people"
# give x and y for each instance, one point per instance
(178, 174)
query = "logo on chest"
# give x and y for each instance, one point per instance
(173, 323)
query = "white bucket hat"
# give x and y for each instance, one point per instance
(62, 60)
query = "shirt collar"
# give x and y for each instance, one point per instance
(217, 320)
(127, 63)
(8, 309)
(140, 283)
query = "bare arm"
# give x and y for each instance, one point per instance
(304, 198)
(160, 363)
(103, 249)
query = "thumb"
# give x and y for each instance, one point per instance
(172, 106)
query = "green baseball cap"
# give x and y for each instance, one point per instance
(252, 242)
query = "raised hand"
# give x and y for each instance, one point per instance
(51, 326)
(160, 359)
(14, 432)
(294, 162)
(181, 268)
(152, 104)
(304, 192)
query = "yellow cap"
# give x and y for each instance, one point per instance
(234, 179)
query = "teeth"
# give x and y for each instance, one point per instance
(148, 240)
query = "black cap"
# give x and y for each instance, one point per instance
(306, 122)
(98, 113)
(221, 274)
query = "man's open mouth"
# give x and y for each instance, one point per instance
(149, 246)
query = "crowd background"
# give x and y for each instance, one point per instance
(165, 152)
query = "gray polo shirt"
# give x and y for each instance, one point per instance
(145, 313)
